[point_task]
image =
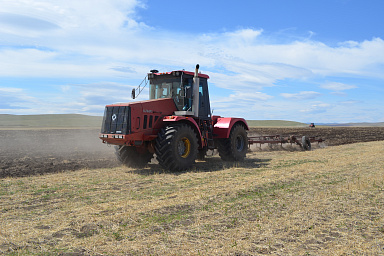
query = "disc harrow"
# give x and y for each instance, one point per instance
(304, 142)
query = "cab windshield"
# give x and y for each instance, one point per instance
(167, 88)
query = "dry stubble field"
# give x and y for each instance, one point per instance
(329, 201)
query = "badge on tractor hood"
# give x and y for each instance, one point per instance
(114, 117)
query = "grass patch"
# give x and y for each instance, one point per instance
(324, 202)
(50, 121)
(293, 163)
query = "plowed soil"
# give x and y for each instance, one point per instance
(32, 152)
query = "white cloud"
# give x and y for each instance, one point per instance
(80, 98)
(240, 99)
(315, 56)
(29, 26)
(305, 95)
(65, 88)
(72, 14)
(350, 102)
(339, 93)
(104, 40)
(242, 37)
(250, 96)
(317, 108)
(16, 99)
(335, 86)
(104, 36)
(43, 63)
(5, 90)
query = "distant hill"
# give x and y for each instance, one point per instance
(50, 121)
(84, 121)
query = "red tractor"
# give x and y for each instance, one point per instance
(175, 124)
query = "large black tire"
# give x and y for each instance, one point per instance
(176, 147)
(131, 157)
(235, 147)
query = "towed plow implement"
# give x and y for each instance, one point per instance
(304, 142)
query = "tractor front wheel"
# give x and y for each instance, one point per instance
(132, 156)
(176, 147)
(235, 147)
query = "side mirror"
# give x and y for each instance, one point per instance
(133, 93)
(188, 92)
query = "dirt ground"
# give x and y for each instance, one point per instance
(32, 152)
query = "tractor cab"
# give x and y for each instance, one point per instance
(179, 85)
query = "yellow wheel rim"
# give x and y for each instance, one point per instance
(184, 147)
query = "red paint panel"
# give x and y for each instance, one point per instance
(223, 125)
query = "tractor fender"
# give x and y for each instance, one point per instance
(186, 120)
(223, 126)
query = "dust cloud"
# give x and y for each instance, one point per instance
(30, 152)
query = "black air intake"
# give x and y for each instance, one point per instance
(117, 120)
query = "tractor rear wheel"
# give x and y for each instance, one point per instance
(176, 147)
(132, 157)
(235, 147)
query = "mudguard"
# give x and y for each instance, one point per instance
(223, 126)
(188, 120)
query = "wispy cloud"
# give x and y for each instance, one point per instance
(317, 108)
(16, 99)
(306, 95)
(105, 41)
(335, 86)
(16, 22)
(350, 102)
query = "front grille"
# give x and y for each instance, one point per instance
(117, 120)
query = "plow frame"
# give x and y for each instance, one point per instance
(304, 142)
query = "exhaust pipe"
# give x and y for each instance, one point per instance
(196, 84)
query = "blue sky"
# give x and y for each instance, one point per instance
(300, 60)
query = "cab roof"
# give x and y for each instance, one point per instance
(175, 73)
